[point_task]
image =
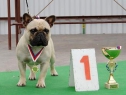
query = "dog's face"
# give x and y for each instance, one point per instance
(38, 30)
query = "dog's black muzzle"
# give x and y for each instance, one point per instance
(39, 40)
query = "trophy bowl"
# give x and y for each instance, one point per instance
(111, 53)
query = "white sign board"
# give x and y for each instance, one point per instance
(83, 70)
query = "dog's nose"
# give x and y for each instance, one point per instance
(41, 36)
(42, 39)
(39, 40)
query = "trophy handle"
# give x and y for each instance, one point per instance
(104, 52)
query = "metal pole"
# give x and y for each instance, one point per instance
(9, 25)
(83, 27)
(17, 18)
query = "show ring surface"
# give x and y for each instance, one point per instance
(59, 84)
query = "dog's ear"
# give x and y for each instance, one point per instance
(51, 19)
(26, 19)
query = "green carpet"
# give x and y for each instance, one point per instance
(59, 85)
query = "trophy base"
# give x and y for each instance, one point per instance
(111, 86)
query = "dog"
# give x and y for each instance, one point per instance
(36, 47)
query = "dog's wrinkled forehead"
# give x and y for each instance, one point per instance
(39, 24)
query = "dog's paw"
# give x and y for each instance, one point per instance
(32, 77)
(54, 73)
(21, 83)
(40, 84)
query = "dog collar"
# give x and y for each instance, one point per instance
(34, 56)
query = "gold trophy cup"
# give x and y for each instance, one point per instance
(111, 53)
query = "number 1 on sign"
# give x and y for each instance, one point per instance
(85, 61)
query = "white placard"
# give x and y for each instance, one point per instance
(83, 70)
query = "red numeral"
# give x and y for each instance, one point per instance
(85, 61)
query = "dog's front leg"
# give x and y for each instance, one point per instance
(22, 69)
(43, 71)
(52, 67)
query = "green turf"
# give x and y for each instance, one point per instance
(59, 85)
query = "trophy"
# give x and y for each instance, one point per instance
(111, 53)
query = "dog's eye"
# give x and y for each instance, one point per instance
(46, 31)
(33, 30)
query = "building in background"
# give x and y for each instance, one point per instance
(70, 8)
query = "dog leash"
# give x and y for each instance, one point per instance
(44, 7)
(41, 10)
(27, 6)
(120, 5)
